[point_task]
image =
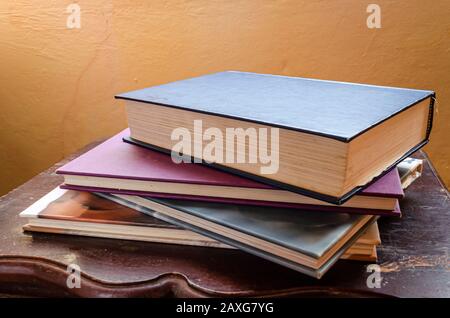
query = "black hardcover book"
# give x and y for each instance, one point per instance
(332, 138)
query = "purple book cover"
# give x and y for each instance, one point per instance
(117, 159)
(324, 208)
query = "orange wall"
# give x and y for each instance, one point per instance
(57, 84)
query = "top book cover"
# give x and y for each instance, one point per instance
(331, 139)
(334, 109)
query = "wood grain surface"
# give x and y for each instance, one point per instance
(413, 258)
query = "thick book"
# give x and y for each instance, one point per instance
(118, 167)
(304, 241)
(87, 214)
(323, 139)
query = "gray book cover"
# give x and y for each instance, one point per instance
(334, 109)
(309, 233)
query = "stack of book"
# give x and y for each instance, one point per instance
(292, 170)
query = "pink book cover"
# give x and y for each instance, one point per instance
(117, 159)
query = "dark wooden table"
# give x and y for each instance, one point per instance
(413, 258)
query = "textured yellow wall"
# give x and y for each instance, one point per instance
(57, 84)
